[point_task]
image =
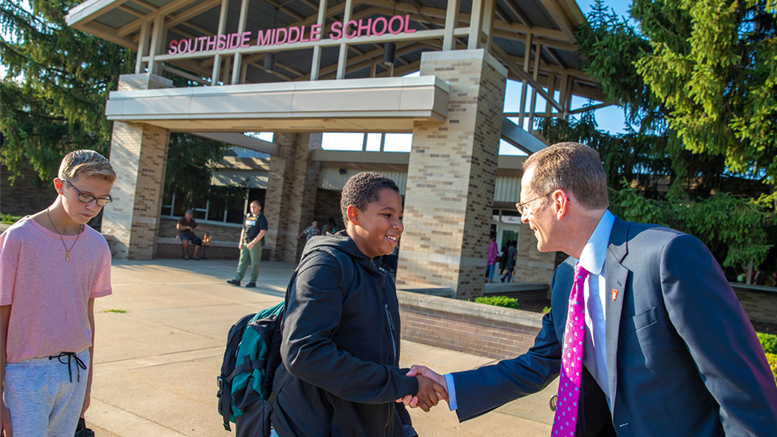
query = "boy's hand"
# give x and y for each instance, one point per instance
(5, 419)
(441, 387)
(429, 393)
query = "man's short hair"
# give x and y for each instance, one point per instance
(256, 202)
(84, 164)
(190, 211)
(572, 167)
(362, 189)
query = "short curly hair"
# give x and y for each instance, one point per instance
(362, 189)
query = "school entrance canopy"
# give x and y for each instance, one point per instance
(300, 67)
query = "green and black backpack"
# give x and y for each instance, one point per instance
(245, 385)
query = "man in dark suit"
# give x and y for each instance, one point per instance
(668, 350)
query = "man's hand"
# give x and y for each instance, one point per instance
(240, 245)
(440, 387)
(5, 419)
(251, 245)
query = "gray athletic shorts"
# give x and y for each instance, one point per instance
(41, 397)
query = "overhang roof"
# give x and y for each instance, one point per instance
(551, 22)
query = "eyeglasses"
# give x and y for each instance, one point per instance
(88, 198)
(521, 206)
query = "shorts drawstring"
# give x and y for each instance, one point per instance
(79, 364)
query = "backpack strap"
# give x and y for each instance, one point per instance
(246, 366)
(345, 262)
(339, 255)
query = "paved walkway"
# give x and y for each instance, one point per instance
(160, 342)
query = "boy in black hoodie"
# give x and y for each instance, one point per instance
(341, 330)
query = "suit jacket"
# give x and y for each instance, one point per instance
(682, 357)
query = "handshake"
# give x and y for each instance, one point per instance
(431, 388)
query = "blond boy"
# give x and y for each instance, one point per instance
(52, 267)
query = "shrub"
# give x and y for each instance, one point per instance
(772, 359)
(500, 301)
(768, 342)
(8, 219)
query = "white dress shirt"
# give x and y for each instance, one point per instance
(595, 349)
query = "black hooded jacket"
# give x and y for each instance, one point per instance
(340, 348)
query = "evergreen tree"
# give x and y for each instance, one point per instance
(52, 100)
(698, 82)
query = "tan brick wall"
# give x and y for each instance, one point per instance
(760, 306)
(291, 193)
(217, 233)
(27, 195)
(139, 156)
(467, 326)
(451, 175)
(328, 205)
(531, 265)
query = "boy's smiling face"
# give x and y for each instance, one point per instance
(377, 228)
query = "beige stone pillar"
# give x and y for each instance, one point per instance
(291, 193)
(451, 176)
(139, 156)
(531, 265)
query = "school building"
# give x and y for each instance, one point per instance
(301, 68)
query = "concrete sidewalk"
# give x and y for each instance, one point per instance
(160, 342)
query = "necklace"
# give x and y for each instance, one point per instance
(67, 251)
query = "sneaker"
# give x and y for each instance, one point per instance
(234, 282)
(251, 285)
(196, 258)
(186, 257)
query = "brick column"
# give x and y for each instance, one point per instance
(531, 265)
(139, 156)
(451, 176)
(291, 193)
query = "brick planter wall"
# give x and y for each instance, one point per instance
(469, 327)
(171, 248)
(759, 302)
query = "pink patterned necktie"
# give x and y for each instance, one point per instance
(571, 360)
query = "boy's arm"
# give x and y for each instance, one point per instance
(5, 415)
(88, 397)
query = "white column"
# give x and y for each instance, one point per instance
(315, 65)
(343, 59)
(157, 40)
(526, 61)
(451, 21)
(475, 25)
(142, 46)
(562, 98)
(535, 76)
(241, 27)
(222, 25)
(489, 9)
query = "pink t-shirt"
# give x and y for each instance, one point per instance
(49, 296)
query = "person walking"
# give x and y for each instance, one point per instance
(493, 253)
